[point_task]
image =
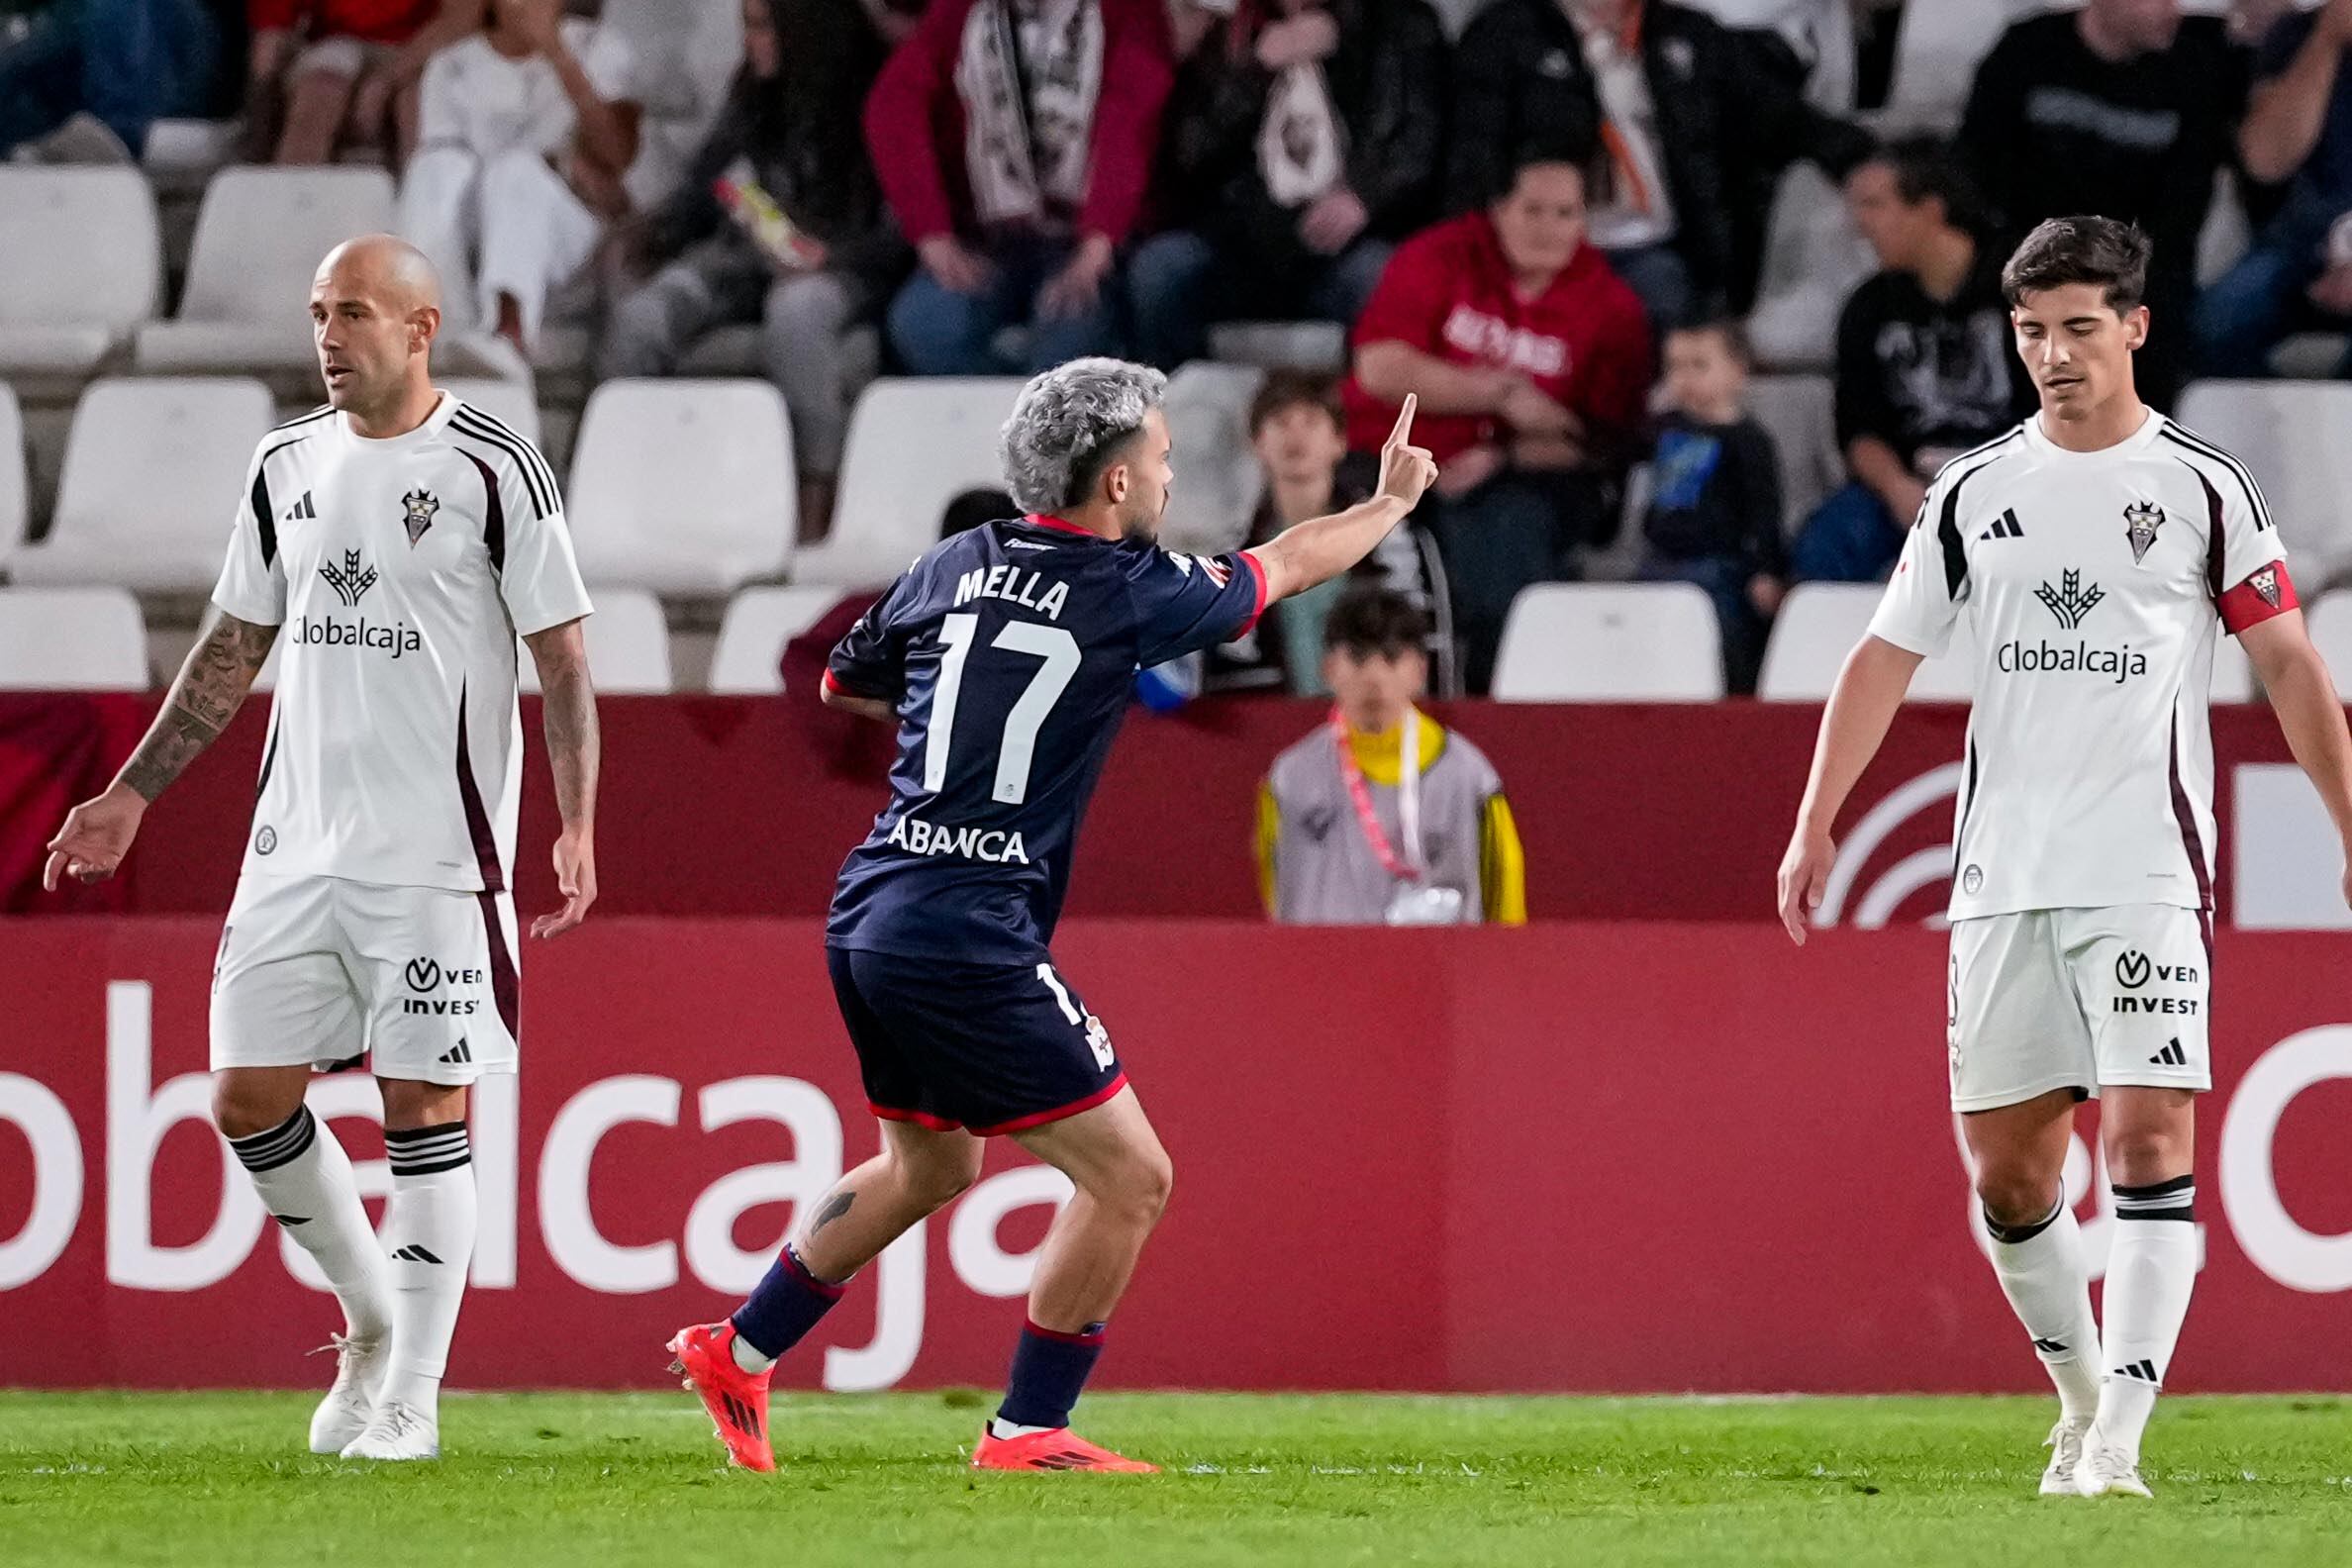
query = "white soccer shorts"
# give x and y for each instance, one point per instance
(2078, 999)
(316, 970)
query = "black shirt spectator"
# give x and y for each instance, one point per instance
(1726, 119)
(2118, 109)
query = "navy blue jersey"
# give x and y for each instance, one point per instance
(1010, 652)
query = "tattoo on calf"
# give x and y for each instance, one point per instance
(834, 1206)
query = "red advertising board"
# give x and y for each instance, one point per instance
(1591, 1156)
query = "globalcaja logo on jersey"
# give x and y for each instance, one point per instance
(2141, 519)
(425, 976)
(351, 580)
(421, 507)
(2070, 602)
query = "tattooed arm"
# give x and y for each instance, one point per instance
(567, 711)
(211, 687)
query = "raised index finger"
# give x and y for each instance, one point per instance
(1404, 430)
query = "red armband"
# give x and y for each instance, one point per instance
(2266, 592)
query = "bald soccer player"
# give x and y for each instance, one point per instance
(395, 541)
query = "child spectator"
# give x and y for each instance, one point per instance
(1714, 515)
(323, 69)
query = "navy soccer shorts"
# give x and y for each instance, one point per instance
(990, 1048)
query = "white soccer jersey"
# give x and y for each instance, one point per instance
(2095, 585)
(401, 572)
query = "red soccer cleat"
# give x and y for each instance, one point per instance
(736, 1400)
(1058, 1450)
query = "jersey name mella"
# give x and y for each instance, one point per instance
(1015, 585)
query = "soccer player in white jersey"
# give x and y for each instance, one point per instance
(395, 543)
(2097, 552)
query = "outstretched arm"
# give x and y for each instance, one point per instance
(1320, 548)
(1869, 691)
(2303, 696)
(567, 714)
(211, 687)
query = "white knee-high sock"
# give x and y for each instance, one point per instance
(2150, 1274)
(428, 1235)
(2048, 1284)
(305, 1179)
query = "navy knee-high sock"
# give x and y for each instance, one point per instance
(785, 1306)
(1049, 1369)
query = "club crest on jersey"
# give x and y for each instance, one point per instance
(2141, 519)
(420, 506)
(2265, 584)
(351, 580)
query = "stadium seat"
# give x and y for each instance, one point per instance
(1936, 52)
(16, 511)
(759, 622)
(72, 640)
(154, 469)
(512, 402)
(1218, 482)
(2330, 618)
(628, 651)
(259, 237)
(913, 446)
(1820, 623)
(1281, 344)
(1813, 258)
(2233, 673)
(81, 264)
(683, 486)
(1800, 415)
(686, 53)
(2292, 434)
(1609, 642)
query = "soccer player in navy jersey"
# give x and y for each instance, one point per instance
(1007, 657)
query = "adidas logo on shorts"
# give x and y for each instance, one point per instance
(457, 1055)
(2170, 1056)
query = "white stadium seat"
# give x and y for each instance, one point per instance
(81, 264)
(259, 237)
(1813, 259)
(628, 651)
(1936, 52)
(1218, 482)
(2330, 622)
(510, 403)
(154, 470)
(913, 446)
(1820, 623)
(1281, 344)
(1800, 413)
(2293, 436)
(1609, 642)
(16, 512)
(72, 640)
(683, 486)
(759, 622)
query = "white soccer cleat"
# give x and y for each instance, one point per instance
(2105, 1472)
(397, 1431)
(360, 1369)
(2063, 1477)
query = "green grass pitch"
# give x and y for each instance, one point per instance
(579, 1480)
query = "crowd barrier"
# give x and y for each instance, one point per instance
(745, 805)
(1579, 1156)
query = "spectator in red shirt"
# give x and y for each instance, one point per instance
(1014, 140)
(324, 69)
(1531, 359)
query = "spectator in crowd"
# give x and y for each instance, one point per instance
(1298, 429)
(527, 128)
(1014, 141)
(83, 80)
(1384, 815)
(1531, 359)
(2298, 131)
(1925, 367)
(778, 221)
(1682, 126)
(2124, 108)
(1818, 36)
(320, 70)
(1715, 518)
(1302, 142)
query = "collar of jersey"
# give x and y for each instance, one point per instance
(1039, 519)
(443, 410)
(2144, 436)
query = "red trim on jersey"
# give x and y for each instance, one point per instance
(505, 985)
(2192, 842)
(833, 684)
(1040, 519)
(1257, 574)
(1059, 1113)
(921, 1118)
(2248, 605)
(1031, 1325)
